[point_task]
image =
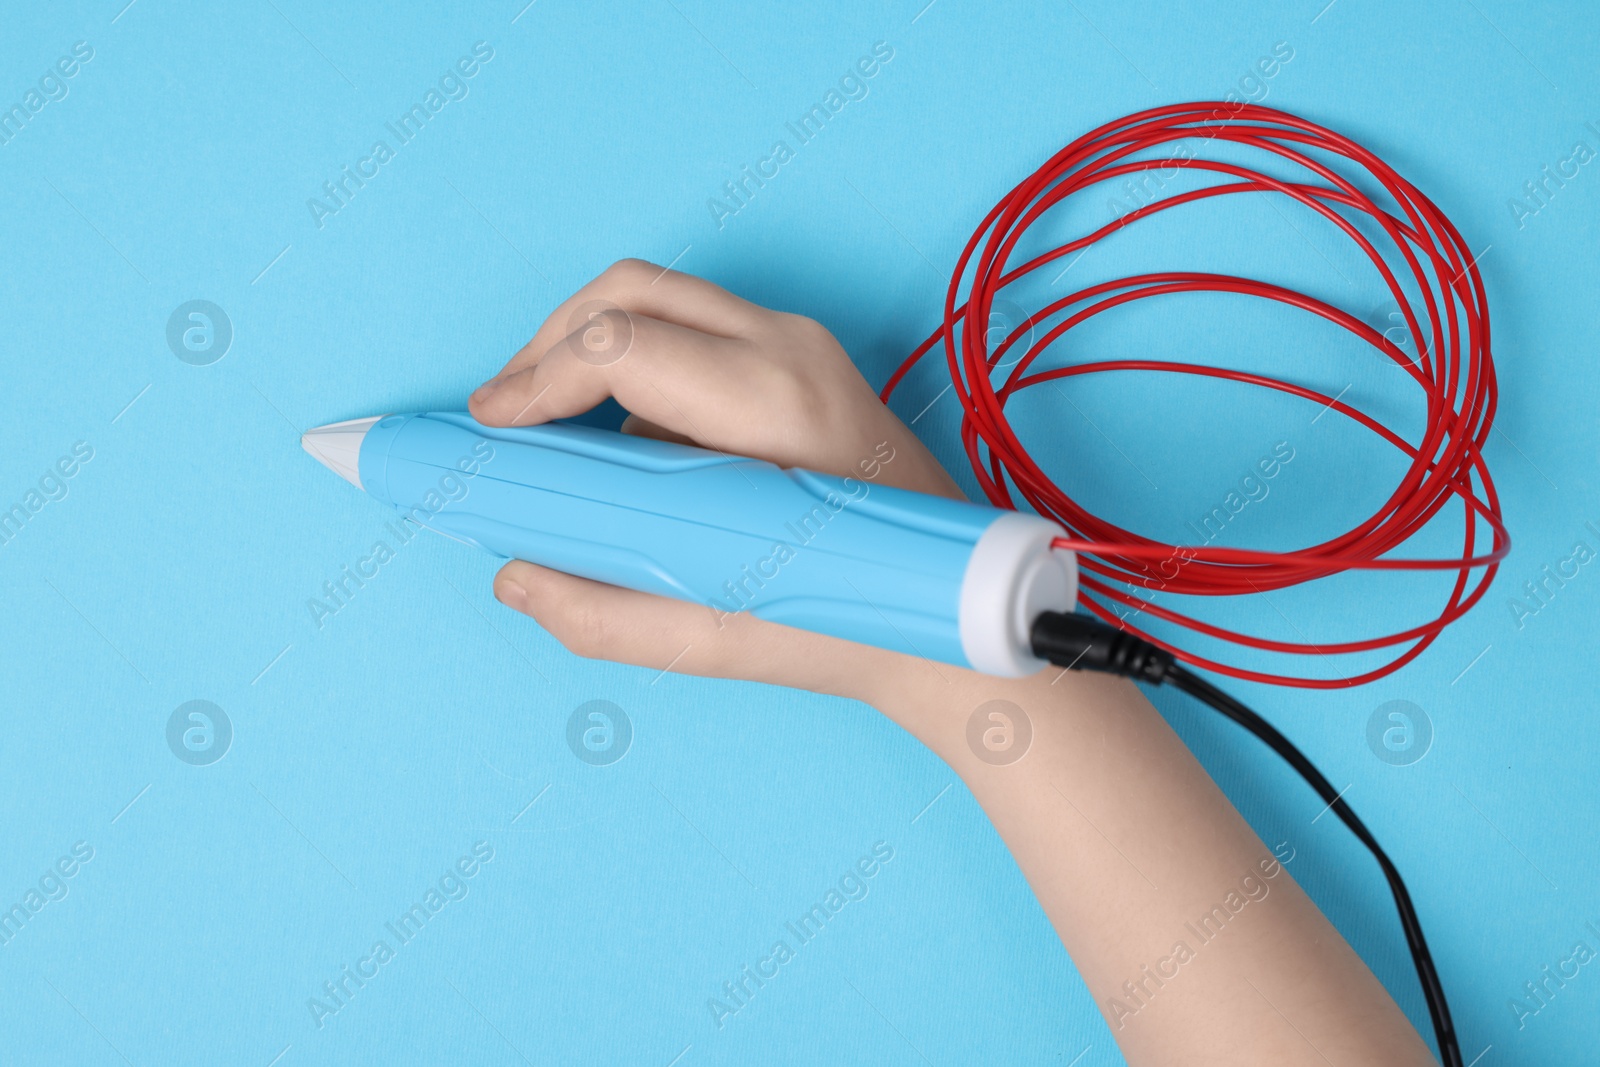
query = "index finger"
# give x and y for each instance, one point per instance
(641, 288)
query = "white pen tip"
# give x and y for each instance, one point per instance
(337, 446)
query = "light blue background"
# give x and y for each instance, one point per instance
(370, 753)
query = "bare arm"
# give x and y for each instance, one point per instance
(1196, 943)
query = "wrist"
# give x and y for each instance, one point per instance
(935, 703)
(983, 726)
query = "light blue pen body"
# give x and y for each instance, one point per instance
(946, 580)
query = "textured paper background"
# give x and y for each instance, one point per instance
(367, 755)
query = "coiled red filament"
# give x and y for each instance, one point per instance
(1454, 370)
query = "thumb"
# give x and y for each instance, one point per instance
(600, 621)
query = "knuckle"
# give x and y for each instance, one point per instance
(807, 332)
(628, 273)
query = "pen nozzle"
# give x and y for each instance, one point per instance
(337, 446)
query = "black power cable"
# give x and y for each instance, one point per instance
(1079, 642)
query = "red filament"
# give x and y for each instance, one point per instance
(1454, 370)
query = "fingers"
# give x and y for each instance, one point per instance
(680, 379)
(599, 621)
(641, 288)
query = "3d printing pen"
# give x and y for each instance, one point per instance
(948, 580)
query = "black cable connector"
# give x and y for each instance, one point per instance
(1082, 643)
(1079, 642)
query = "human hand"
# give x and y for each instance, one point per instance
(693, 363)
(1102, 789)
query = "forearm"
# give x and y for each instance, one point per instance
(1196, 944)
